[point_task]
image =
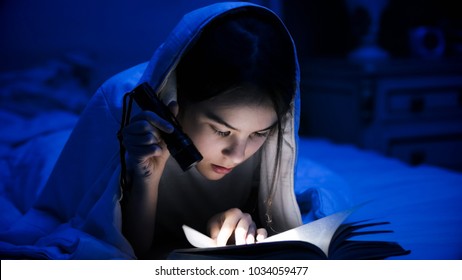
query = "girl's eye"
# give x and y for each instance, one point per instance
(221, 133)
(261, 134)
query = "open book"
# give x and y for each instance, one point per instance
(326, 238)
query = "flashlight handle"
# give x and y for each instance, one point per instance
(178, 143)
(147, 99)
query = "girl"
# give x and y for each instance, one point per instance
(234, 86)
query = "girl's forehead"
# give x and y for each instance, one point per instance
(245, 117)
(229, 104)
(241, 96)
(244, 108)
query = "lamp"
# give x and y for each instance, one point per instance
(368, 50)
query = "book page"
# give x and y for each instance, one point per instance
(319, 233)
(198, 239)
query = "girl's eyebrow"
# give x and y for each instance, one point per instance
(269, 127)
(219, 120)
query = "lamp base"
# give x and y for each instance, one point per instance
(368, 53)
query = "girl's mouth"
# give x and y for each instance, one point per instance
(220, 169)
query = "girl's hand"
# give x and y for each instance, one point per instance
(146, 150)
(223, 225)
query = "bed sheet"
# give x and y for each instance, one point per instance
(423, 203)
(39, 108)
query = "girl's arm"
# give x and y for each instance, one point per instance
(147, 155)
(139, 211)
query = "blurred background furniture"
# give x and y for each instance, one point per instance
(405, 108)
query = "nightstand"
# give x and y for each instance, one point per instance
(408, 109)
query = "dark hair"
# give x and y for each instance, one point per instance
(240, 51)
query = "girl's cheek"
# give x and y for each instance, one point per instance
(205, 143)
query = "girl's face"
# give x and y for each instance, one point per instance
(226, 134)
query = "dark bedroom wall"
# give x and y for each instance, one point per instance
(116, 34)
(120, 33)
(326, 28)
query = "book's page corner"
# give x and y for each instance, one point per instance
(197, 239)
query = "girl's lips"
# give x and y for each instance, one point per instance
(220, 169)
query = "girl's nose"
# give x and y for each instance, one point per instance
(236, 151)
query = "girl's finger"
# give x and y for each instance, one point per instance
(226, 231)
(244, 227)
(173, 107)
(261, 234)
(250, 238)
(141, 153)
(230, 219)
(214, 229)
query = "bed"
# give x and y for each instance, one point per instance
(40, 106)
